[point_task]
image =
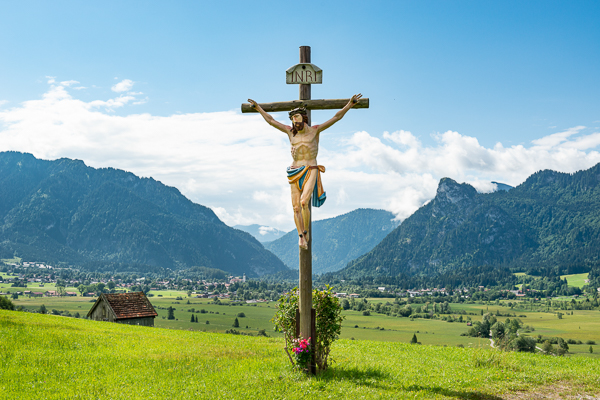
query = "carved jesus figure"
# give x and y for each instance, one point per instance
(304, 174)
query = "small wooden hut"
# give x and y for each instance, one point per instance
(126, 308)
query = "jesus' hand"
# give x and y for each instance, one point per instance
(355, 99)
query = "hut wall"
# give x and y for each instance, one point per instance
(146, 321)
(103, 313)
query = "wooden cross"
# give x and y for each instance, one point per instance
(305, 72)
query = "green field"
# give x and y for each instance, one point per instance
(33, 286)
(5, 275)
(582, 325)
(576, 280)
(258, 317)
(52, 357)
(11, 260)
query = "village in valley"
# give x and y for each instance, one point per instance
(245, 306)
(39, 276)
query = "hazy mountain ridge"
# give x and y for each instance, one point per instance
(338, 240)
(261, 233)
(549, 221)
(65, 211)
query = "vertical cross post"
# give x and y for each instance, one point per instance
(299, 74)
(305, 282)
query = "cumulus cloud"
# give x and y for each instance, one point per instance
(557, 138)
(123, 86)
(216, 159)
(142, 101)
(404, 173)
(68, 83)
(235, 164)
(264, 230)
(111, 104)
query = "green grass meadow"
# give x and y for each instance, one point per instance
(576, 280)
(53, 357)
(582, 325)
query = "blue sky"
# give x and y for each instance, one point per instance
(477, 91)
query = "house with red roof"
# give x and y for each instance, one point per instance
(132, 308)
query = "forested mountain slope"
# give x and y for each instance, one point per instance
(550, 222)
(65, 211)
(337, 240)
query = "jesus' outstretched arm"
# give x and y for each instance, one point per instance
(340, 114)
(270, 120)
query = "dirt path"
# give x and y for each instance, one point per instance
(552, 392)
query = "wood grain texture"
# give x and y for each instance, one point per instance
(317, 104)
(305, 256)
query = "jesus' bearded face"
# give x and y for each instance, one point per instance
(298, 122)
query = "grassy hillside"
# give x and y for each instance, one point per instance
(51, 357)
(577, 280)
(583, 325)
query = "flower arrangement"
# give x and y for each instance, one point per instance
(302, 351)
(328, 326)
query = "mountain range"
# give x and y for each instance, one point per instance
(549, 222)
(65, 211)
(336, 241)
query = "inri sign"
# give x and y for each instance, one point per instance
(304, 73)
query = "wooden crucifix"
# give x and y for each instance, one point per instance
(304, 174)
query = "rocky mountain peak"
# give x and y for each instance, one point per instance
(453, 192)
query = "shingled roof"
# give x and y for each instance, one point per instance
(127, 305)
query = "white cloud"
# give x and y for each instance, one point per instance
(142, 101)
(264, 230)
(404, 174)
(260, 196)
(205, 155)
(557, 138)
(236, 163)
(111, 104)
(584, 142)
(341, 197)
(68, 83)
(3, 102)
(123, 86)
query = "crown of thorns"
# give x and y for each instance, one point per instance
(299, 110)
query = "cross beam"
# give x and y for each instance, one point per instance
(332, 104)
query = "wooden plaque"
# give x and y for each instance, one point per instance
(304, 74)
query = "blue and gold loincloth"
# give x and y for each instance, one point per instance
(300, 175)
